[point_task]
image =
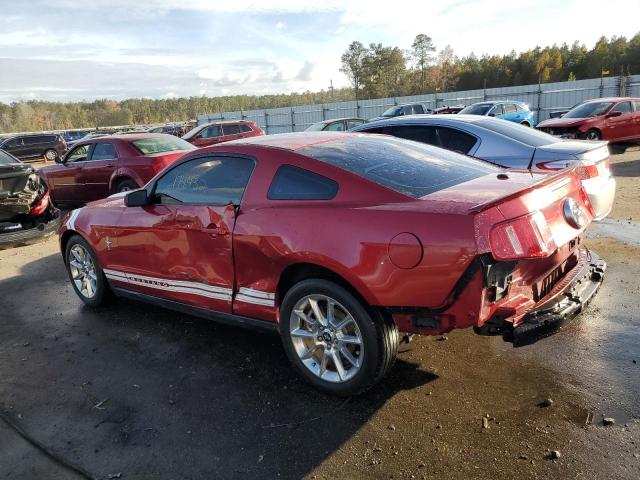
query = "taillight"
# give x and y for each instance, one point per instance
(584, 171)
(528, 236)
(40, 207)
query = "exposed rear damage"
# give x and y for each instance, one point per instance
(26, 212)
(532, 273)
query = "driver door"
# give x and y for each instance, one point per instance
(179, 246)
(66, 178)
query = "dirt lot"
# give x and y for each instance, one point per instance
(133, 391)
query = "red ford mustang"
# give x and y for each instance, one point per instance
(339, 241)
(96, 168)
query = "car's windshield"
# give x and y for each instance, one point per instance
(317, 127)
(477, 109)
(6, 159)
(168, 143)
(591, 109)
(392, 112)
(408, 167)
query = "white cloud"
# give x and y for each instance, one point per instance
(280, 25)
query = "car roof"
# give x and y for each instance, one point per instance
(224, 122)
(611, 99)
(131, 136)
(292, 141)
(329, 120)
(435, 118)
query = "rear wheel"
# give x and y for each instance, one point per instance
(333, 341)
(593, 134)
(50, 155)
(85, 273)
(126, 185)
(526, 124)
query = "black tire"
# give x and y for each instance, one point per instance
(102, 292)
(526, 124)
(50, 155)
(593, 134)
(380, 338)
(125, 185)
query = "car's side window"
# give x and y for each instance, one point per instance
(624, 107)
(231, 129)
(104, 151)
(456, 140)
(419, 133)
(354, 123)
(245, 128)
(293, 183)
(509, 108)
(418, 109)
(205, 181)
(335, 127)
(408, 110)
(211, 132)
(497, 110)
(79, 154)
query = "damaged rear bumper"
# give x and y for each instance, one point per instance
(15, 237)
(568, 298)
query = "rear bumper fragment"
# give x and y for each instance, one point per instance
(563, 304)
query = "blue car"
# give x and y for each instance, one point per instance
(513, 111)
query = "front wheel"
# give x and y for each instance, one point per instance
(333, 341)
(525, 124)
(85, 273)
(592, 134)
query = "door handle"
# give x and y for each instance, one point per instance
(213, 229)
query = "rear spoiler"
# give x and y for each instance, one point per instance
(554, 181)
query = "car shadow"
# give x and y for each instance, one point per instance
(149, 393)
(626, 169)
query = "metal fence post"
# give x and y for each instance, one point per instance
(324, 112)
(357, 109)
(538, 100)
(266, 122)
(293, 121)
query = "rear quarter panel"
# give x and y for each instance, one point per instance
(350, 238)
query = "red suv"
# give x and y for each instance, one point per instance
(96, 168)
(218, 132)
(615, 119)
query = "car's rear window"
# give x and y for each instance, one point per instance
(149, 146)
(408, 167)
(527, 135)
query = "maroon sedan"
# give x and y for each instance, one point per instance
(218, 132)
(98, 167)
(339, 241)
(614, 119)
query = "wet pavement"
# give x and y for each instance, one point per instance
(134, 391)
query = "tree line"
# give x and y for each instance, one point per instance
(374, 71)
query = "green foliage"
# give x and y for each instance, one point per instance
(374, 71)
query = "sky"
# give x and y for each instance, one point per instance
(68, 50)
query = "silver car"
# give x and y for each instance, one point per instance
(510, 145)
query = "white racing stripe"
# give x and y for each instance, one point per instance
(245, 295)
(180, 286)
(71, 223)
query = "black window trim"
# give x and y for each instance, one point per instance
(285, 165)
(388, 129)
(151, 189)
(76, 147)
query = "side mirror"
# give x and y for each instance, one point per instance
(613, 114)
(492, 114)
(137, 198)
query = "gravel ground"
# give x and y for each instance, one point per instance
(134, 391)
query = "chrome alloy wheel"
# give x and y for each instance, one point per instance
(83, 271)
(50, 155)
(326, 338)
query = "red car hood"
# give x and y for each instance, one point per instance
(561, 122)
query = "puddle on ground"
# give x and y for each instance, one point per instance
(624, 231)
